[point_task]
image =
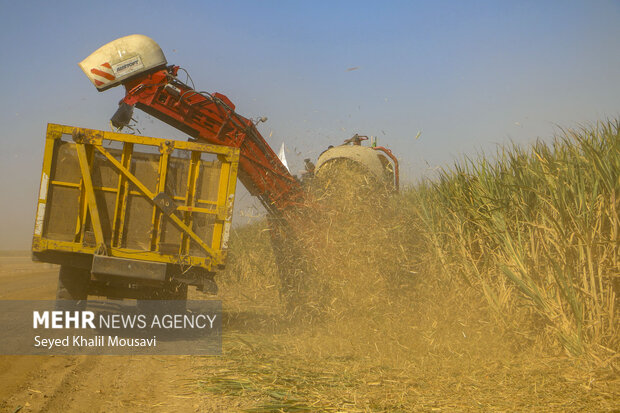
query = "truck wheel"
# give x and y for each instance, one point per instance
(73, 285)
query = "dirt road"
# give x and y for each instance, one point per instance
(269, 366)
(88, 383)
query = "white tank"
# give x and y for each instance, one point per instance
(121, 59)
(365, 156)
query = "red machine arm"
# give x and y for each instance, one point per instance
(212, 118)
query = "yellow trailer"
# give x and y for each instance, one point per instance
(130, 216)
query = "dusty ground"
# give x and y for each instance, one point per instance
(270, 366)
(87, 383)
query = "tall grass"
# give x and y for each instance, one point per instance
(542, 222)
(531, 235)
(441, 297)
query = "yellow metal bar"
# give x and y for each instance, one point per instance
(65, 184)
(104, 189)
(50, 143)
(192, 178)
(55, 131)
(90, 194)
(162, 174)
(198, 201)
(218, 227)
(80, 224)
(204, 201)
(96, 137)
(230, 199)
(197, 209)
(120, 204)
(225, 199)
(77, 186)
(150, 196)
(44, 244)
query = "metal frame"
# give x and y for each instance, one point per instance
(89, 141)
(212, 118)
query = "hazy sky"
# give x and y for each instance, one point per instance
(467, 74)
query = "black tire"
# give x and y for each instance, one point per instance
(72, 288)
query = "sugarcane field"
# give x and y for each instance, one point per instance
(296, 207)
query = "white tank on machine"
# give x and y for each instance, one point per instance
(121, 59)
